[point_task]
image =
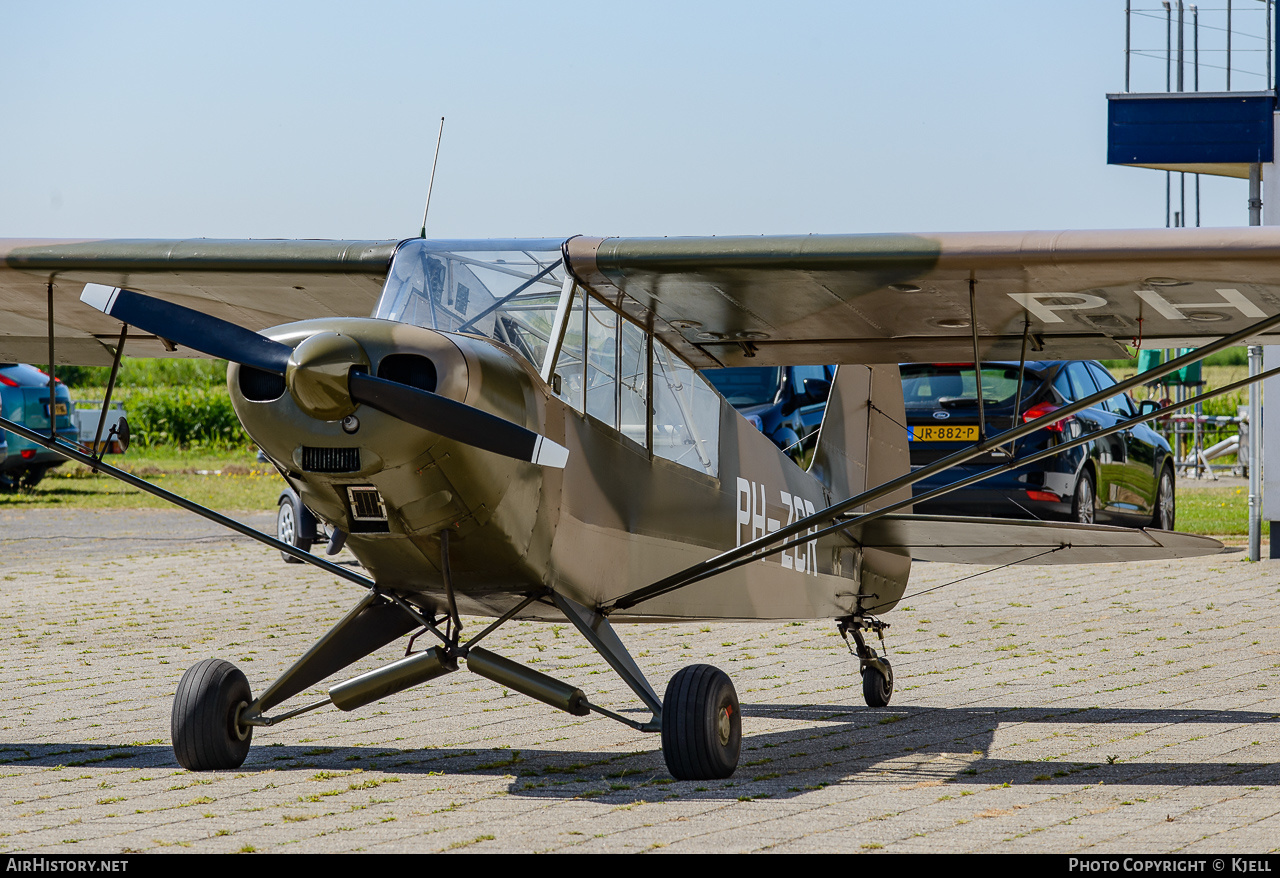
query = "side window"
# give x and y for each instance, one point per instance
(617, 364)
(633, 384)
(602, 363)
(1119, 404)
(686, 414)
(800, 374)
(1063, 385)
(568, 379)
(1082, 384)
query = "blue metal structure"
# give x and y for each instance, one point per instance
(1197, 132)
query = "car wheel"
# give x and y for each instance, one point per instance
(289, 527)
(31, 476)
(1082, 506)
(1164, 515)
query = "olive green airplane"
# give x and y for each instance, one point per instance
(520, 429)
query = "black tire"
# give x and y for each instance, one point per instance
(1084, 503)
(31, 476)
(23, 479)
(701, 724)
(877, 689)
(1165, 513)
(291, 526)
(206, 736)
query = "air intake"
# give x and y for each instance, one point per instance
(330, 460)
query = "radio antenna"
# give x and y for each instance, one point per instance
(432, 184)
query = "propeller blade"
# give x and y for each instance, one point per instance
(189, 328)
(456, 420)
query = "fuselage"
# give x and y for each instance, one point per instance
(662, 473)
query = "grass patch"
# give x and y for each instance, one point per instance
(1215, 511)
(222, 479)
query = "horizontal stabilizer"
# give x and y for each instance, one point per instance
(1004, 541)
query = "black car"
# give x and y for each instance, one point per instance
(1125, 478)
(785, 403)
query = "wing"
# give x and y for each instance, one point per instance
(997, 541)
(721, 301)
(904, 298)
(255, 284)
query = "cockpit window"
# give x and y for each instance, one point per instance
(506, 290)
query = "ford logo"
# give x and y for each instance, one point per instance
(942, 416)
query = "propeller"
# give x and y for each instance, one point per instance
(319, 376)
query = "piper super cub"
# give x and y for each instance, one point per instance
(520, 429)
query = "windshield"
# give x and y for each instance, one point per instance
(753, 385)
(951, 385)
(506, 290)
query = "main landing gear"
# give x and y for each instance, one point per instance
(208, 733)
(877, 673)
(214, 712)
(701, 724)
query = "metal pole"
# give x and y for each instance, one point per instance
(1255, 455)
(1195, 47)
(1180, 54)
(432, 184)
(1182, 196)
(1168, 47)
(1127, 26)
(1268, 5)
(53, 400)
(1255, 194)
(1228, 45)
(977, 359)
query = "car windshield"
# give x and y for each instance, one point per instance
(955, 385)
(754, 385)
(506, 289)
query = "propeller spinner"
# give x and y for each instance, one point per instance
(327, 375)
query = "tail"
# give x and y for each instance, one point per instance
(863, 439)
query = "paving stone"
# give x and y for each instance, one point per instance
(1064, 709)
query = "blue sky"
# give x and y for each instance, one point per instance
(319, 119)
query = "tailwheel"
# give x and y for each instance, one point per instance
(877, 673)
(701, 724)
(206, 728)
(877, 684)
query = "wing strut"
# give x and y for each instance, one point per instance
(774, 542)
(106, 402)
(89, 460)
(977, 359)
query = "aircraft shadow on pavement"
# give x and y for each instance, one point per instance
(902, 748)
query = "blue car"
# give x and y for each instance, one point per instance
(1125, 478)
(784, 403)
(24, 399)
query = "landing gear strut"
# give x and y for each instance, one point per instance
(877, 673)
(214, 713)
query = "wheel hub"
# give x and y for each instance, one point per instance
(239, 729)
(724, 724)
